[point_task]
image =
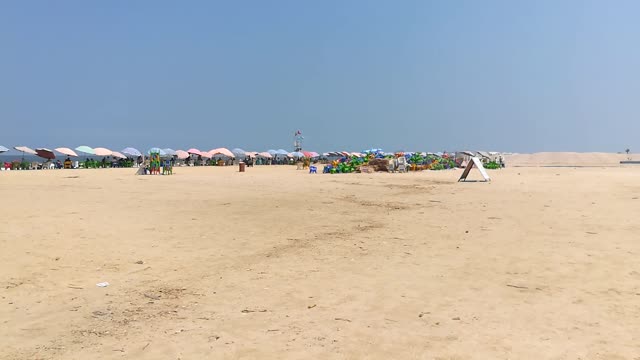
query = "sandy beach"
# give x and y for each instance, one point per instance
(274, 263)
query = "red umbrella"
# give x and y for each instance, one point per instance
(308, 154)
(45, 153)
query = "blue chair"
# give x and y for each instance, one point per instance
(313, 170)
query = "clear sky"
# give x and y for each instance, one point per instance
(543, 75)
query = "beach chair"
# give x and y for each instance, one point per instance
(313, 170)
(402, 164)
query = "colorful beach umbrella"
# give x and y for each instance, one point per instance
(182, 154)
(131, 152)
(66, 151)
(307, 154)
(156, 150)
(85, 149)
(194, 151)
(118, 155)
(222, 151)
(239, 152)
(45, 153)
(25, 150)
(102, 151)
(169, 152)
(3, 149)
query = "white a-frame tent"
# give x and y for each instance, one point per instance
(477, 163)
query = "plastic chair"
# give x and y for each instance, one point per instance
(313, 170)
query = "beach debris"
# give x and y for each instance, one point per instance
(151, 296)
(102, 284)
(311, 306)
(342, 319)
(246, 311)
(74, 287)
(139, 262)
(99, 313)
(592, 233)
(456, 318)
(517, 287)
(144, 347)
(423, 314)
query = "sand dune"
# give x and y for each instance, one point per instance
(275, 263)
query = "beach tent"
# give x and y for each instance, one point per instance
(478, 164)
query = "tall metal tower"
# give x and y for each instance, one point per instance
(297, 140)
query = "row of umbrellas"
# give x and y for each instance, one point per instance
(181, 154)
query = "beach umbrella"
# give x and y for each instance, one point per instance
(45, 153)
(222, 151)
(193, 151)
(118, 155)
(169, 152)
(238, 152)
(182, 154)
(3, 149)
(25, 149)
(282, 152)
(252, 153)
(85, 149)
(66, 151)
(155, 150)
(131, 152)
(307, 154)
(314, 154)
(272, 152)
(296, 154)
(102, 151)
(265, 154)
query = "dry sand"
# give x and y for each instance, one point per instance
(568, 159)
(541, 263)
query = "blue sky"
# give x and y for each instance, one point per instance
(430, 75)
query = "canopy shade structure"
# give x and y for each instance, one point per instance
(45, 153)
(131, 151)
(66, 151)
(102, 152)
(85, 149)
(25, 150)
